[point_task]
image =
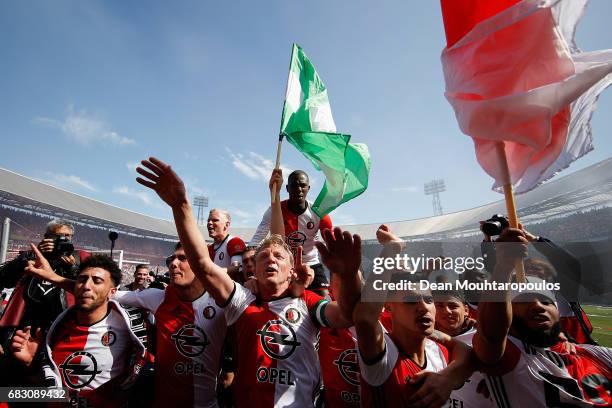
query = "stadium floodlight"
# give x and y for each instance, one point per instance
(200, 202)
(434, 188)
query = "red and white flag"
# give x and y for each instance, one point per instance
(514, 73)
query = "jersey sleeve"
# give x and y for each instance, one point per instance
(325, 223)
(148, 299)
(235, 247)
(262, 229)
(377, 373)
(509, 360)
(239, 300)
(316, 308)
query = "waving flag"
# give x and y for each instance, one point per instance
(514, 74)
(308, 124)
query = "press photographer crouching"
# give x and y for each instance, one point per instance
(34, 302)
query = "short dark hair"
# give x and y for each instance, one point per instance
(141, 266)
(297, 173)
(178, 246)
(103, 262)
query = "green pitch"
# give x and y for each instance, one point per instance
(601, 319)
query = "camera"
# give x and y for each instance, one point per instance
(159, 281)
(62, 246)
(495, 225)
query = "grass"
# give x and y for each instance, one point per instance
(601, 319)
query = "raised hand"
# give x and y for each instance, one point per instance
(24, 346)
(160, 177)
(39, 268)
(276, 180)
(304, 273)
(341, 252)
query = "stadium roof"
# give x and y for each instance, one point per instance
(584, 189)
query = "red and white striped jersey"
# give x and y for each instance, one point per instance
(228, 251)
(339, 368)
(190, 337)
(300, 229)
(95, 361)
(385, 383)
(277, 363)
(531, 376)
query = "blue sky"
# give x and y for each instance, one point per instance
(89, 88)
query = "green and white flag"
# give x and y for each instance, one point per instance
(308, 124)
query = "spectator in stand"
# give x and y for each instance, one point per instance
(141, 279)
(517, 343)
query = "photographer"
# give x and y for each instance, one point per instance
(40, 302)
(560, 266)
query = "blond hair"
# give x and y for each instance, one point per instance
(275, 239)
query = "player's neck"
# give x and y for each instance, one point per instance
(191, 292)
(88, 318)
(297, 207)
(412, 346)
(220, 239)
(270, 292)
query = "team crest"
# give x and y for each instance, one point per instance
(292, 315)
(348, 366)
(221, 256)
(190, 340)
(295, 239)
(108, 338)
(79, 369)
(209, 312)
(310, 225)
(278, 340)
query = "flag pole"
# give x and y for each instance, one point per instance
(281, 134)
(510, 203)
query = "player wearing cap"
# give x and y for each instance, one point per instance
(517, 343)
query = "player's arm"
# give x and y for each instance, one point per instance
(370, 337)
(160, 177)
(495, 315)
(341, 253)
(277, 224)
(42, 270)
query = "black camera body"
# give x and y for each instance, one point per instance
(62, 246)
(495, 225)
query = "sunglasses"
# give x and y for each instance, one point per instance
(181, 258)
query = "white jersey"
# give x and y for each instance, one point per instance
(302, 229)
(475, 392)
(278, 365)
(227, 252)
(190, 337)
(530, 376)
(93, 362)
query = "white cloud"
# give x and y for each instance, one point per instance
(407, 189)
(254, 165)
(67, 181)
(85, 128)
(142, 196)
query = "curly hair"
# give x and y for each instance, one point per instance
(103, 262)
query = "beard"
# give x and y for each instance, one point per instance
(535, 337)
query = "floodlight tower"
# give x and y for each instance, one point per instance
(200, 202)
(434, 188)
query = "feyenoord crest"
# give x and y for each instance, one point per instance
(209, 312)
(310, 225)
(190, 340)
(79, 369)
(348, 366)
(292, 315)
(221, 256)
(108, 338)
(278, 340)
